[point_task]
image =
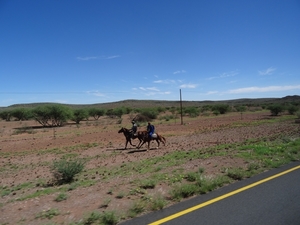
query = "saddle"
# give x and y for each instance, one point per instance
(154, 135)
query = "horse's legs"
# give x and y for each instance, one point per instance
(139, 143)
(157, 142)
(130, 142)
(139, 146)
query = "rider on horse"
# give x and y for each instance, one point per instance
(150, 129)
(133, 129)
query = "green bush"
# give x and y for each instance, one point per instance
(51, 115)
(96, 113)
(117, 112)
(21, 114)
(79, 115)
(298, 114)
(221, 108)
(183, 191)
(192, 111)
(292, 109)
(276, 109)
(91, 218)
(147, 115)
(136, 208)
(191, 176)
(65, 170)
(109, 218)
(157, 203)
(236, 173)
(148, 184)
(6, 115)
(61, 197)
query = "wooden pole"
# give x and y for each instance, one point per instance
(181, 108)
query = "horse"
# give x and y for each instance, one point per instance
(128, 135)
(144, 136)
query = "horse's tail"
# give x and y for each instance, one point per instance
(162, 138)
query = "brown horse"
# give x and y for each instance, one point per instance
(144, 136)
(128, 135)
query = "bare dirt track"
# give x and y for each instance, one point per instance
(26, 156)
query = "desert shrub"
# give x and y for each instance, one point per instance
(183, 191)
(192, 111)
(91, 218)
(174, 110)
(109, 218)
(127, 110)
(236, 173)
(161, 109)
(191, 176)
(158, 203)
(148, 184)
(79, 115)
(206, 108)
(276, 109)
(240, 108)
(216, 112)
(147, 114)
(64, 170)
(61, 197)
(137, 208)
(221, 108)
(116, 112)
(207, 184)
(292, 109)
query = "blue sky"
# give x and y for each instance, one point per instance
(95, 51)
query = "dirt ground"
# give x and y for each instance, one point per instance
(25, 158)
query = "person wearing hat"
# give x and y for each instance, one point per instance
(133, 129)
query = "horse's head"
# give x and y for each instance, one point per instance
(121, 130)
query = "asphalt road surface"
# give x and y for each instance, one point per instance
(270, 198)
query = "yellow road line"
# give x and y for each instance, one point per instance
(221, 197)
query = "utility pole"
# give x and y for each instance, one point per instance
(181, 108)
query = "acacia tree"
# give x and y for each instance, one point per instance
(241, 109)
(6, 115)
(52, 115)
(79, 115)
(21, 114)
(117, 112)
(96, 113)
(275, 109)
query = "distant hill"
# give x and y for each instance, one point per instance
(156, 103)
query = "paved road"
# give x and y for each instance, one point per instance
(271, 198)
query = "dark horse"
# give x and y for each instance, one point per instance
(128, 135)
(144, 136)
